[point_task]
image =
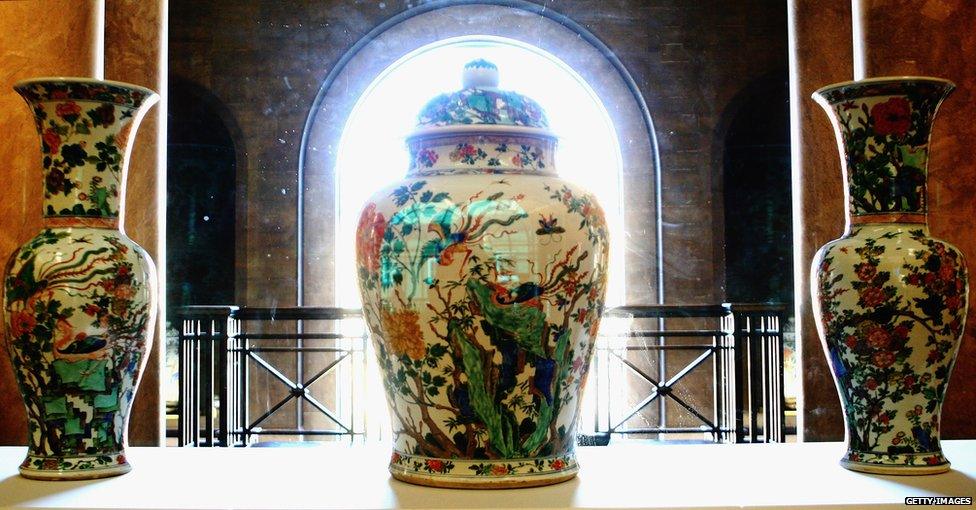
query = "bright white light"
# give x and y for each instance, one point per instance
(372, 152)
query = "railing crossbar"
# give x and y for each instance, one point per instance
(673, 333)
(296, 336)
(289, 349)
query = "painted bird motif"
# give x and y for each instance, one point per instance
(69, 344)
(457, 240)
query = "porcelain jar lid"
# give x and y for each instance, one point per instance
(481, 106)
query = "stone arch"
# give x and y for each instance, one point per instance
(206, 169)
(522, 21)
(755, 175)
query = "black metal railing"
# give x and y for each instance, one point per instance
(713, 370)
(728, 385)
(224, 348)
(635, 358)
(760, 403)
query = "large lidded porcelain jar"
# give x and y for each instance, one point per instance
(482, 277)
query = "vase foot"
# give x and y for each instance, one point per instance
(483, 474)
(902, 464)
(86, 467)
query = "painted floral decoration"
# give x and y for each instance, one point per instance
(886, 140)
(484, 410)
(70, 354)
(891, 300)
(84, 136)
(482, 277)
(79, 297)
(869, 344)
(482, 102)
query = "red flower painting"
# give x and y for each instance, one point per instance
(893, 117)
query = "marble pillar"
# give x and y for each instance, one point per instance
(938, 39)
(820, 53)
(115, 39)
(135, 33)
(64, 45)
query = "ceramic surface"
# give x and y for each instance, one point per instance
(79, 298)
(483, 276)
(482, 102)
(890, 300)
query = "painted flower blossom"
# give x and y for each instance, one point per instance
(125, 292)
(369, 238)
(52, 141)
(402, 328)
(54, 181)
(872, 296)
(517, 161)
(22, 322)
(103, 115)
(499, 470)
(465, 152)
(908, 381)
(435, 465)
(879, 338)
(866, 271)
(893, 117)
(427, 157)
(884, 359)
(68, 111)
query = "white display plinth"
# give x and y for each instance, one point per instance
(624, 475)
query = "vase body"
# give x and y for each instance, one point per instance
(79, 299)
(482, 276)
(889, 299)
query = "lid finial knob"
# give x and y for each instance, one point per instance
(480, 74)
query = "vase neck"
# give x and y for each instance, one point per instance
(481, 153)
(85, 128)
(908, 219)
(876, 230)
(883, 129)
(81, 222)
